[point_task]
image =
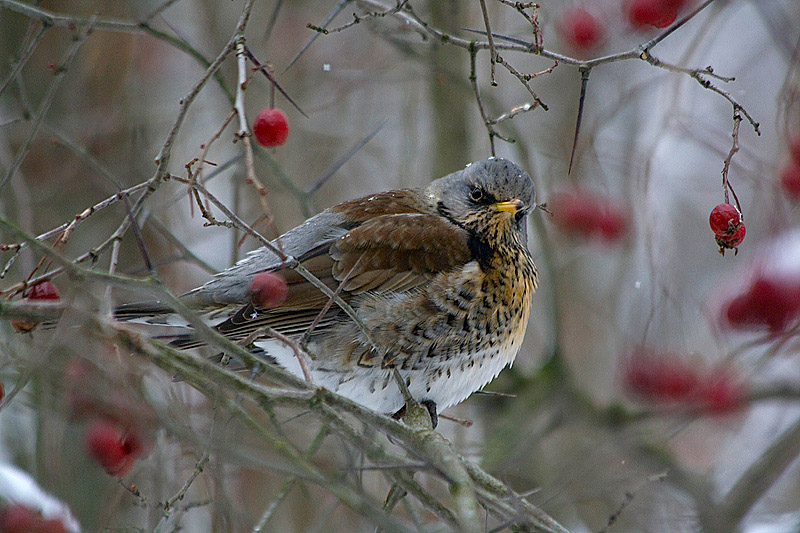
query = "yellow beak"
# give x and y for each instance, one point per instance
(511, 206)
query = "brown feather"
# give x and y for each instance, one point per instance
(360, 210)
(409, 246)
(397, 251)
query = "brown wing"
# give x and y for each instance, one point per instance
(397, 252)
(387, 253)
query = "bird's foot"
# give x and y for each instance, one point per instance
(412, 416)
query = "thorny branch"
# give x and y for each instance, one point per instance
(51, 19)
(357, 19)
(642, 52)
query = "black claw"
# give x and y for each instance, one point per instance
(400, 412)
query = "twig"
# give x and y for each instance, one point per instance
(186, 253)
(158, 10)
(50, 18)
(759, 477)
(266, 70)
(273, 18)
(709, 71)
(473, 79)
(289, 483)
(357, 19)
(47, 100)
(80, 217)
(328, 304)
(20, 63)
(244, 131)
(533, 20)
(493, 58)
(345, 158)
(181, 494)
(162, 159)
(197, 174)
(736, 106)
(513, 112)
(629, 496)
(525, 78)
(460, 421)
(109, 176)
(726, 186)
(336, 10)
(299, 352)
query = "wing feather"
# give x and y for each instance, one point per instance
(394, 252)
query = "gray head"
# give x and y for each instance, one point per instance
(493, 194)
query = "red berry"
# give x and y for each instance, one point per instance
(731, 241)
(721, 393)
(268, 290)
(271, 127)
(768, 302)
(588, 214)
(613, 225)
(659, 376)
(790, 178)
(581, 30)
(658, 13)
(41, 291)
(114, 447)
(18, 518)
(725, 219)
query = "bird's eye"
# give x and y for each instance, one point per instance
(476, 194)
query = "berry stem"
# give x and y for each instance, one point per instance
(727, 189)
(271, 86)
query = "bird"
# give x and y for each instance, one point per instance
(440, 278)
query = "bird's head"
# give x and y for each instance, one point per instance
(487, 197)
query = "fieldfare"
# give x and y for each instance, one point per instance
(441, 279)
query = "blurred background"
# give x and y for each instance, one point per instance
(642, 400)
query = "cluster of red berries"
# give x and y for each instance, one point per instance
(589, 214)
(271, 127)
(726, 223)
(583, 28)
(790, 176)
(669, 378)
(771, 301)
(42, 291)
(18, 518)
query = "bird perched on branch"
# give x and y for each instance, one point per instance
(440, 278)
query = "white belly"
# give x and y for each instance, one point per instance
(375, 388)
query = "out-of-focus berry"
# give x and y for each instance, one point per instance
(589, 214)
(581, 30)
